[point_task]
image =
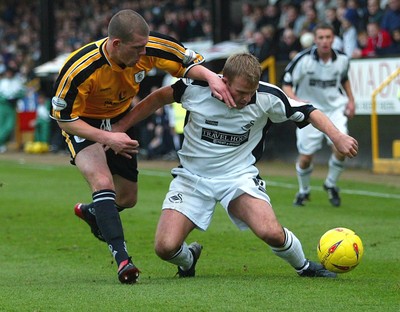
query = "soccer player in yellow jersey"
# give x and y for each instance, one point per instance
(94, 89)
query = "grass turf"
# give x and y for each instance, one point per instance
(49, 261)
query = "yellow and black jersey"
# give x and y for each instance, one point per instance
(91, 85)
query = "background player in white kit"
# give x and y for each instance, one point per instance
(318, 75)
(219, 151)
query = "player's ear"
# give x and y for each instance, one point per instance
(116, 43)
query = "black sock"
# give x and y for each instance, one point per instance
(119, 208)
(109, 223)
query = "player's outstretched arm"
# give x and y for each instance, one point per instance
(145, 108)
(350, 107)
(344, 143)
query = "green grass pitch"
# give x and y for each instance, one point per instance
(49, 261)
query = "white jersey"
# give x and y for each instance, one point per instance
(222, 141)
(318, 82)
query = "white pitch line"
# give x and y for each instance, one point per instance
(291, 186)
(351, 192)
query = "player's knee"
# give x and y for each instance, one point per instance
(274, 236)
(304, 161)
(127, 202)
(131, 203)
(165, 250)
(103, 183)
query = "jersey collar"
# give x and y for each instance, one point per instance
(316, 56)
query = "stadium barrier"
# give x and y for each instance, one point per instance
(383, 165)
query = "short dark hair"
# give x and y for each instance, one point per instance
(124, 24)
(323, 25)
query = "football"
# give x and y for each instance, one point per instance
(340, 250)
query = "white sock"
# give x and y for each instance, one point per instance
(336, 167)
(291, 251)
(183, 258)
(304, 177)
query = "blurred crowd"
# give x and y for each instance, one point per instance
(279, 28)
(363, 28)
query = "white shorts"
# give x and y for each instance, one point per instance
(196, 197)
(310, 139)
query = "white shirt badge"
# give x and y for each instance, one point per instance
(140, 76)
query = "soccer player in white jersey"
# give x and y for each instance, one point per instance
(220, 148)
(318, 76)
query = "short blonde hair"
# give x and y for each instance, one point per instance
(243, 65)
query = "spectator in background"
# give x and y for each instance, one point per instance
(77, 25)
(351, 15)
(248, 24)
(338, 43)
(358, 13)
(391, 17)
(349, 36)
(259, 46)
(262, 47)
(258, 16)
(394, 48)
(2, 63)
(194, 28)
(311, 19)
(42, 121)
(362, 39)
(289, 45)
(161, 142)
(332, 19)
(12, 88)
(340, 5)
(290, 18)
(271, 15)
(172, 22)
(270, 35)
(177, 123)
(57, 143)
(304, 7)
(158, 129)
(207, 31)
(374, 12)
(176, 117)
(377, 39)
(322, 6)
